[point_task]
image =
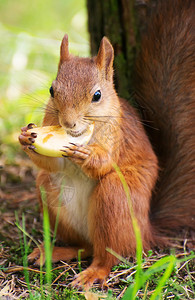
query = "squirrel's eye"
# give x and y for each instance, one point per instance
(96, 96)
(51, 91)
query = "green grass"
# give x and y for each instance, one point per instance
(166, 264)
(151, 276)
(157, 281)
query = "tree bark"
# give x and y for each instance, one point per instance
(121, 21)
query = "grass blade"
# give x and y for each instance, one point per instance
(47, 240)
(164, 278)
(131, 292)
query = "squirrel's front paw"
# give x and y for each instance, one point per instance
(26, 138)
(77, 153)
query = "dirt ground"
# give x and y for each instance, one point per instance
(19, 204)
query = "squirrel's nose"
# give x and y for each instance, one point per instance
(69, 124)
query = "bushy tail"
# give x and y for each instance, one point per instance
(165, 89)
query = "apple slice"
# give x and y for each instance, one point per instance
(51, 139)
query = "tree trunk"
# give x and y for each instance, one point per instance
(119, 20)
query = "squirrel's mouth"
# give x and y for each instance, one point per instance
(76, 133)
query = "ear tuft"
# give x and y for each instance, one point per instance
(64, 52)
(105, 57)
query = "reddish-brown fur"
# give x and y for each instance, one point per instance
(119, 137)
(166, 90)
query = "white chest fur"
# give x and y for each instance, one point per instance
(76, 189)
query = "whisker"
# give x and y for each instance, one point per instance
(44, 106)
(127, 115)
(99, 119)
(51, 112)
(83, 121)
(33, 99)
(94, 119)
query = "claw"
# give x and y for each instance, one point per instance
(31, 147)
(77, 145)
(31, 140)
(34, 134)
(30, 125)
(91, 275)
(63, 150)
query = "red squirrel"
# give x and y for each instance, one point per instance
(98, 216)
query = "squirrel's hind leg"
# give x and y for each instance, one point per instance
(58, 253)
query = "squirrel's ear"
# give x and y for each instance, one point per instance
(64, 52)
(105, 57)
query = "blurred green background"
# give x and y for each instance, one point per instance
(31, 32)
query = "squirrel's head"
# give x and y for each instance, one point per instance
(83, 90)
